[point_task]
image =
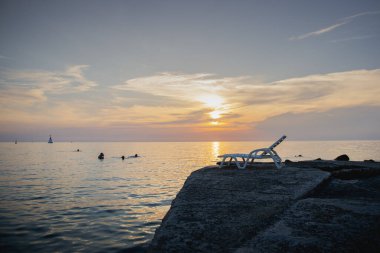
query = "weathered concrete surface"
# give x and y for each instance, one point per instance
(322, 225)
(304, 207)
(218, 210)
(341, 217)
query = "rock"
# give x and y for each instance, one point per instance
(318, 159)
(308, 206)
(218, 210)
(369, 161)
(322, 225)
(358, 188)
(288, 161)
(342, 158)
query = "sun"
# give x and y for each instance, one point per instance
(215, 106)
(215, 114)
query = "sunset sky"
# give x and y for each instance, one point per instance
(189, 70)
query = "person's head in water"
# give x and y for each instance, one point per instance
(101, 156)
(136, 155)
(122, 157)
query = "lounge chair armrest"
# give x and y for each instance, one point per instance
(256, 151)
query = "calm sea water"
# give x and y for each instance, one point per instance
(53, 199)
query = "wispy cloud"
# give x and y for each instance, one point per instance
(254, 101)
(349, 18)
(318, 32)
(69, 81)
(29, 94)
(341, 22)
(201, 101)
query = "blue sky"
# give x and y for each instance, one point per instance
(141, 70)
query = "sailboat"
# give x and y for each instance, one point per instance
(50, 139)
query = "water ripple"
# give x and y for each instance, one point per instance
(56, 200)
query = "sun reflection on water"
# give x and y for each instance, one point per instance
(215, 149)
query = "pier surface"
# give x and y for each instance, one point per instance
(310, 206)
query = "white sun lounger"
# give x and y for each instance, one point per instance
(262, 153)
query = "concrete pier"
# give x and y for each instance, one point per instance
(318, 206)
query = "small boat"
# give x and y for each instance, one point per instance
(50, 139)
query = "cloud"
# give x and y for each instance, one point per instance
(314, 92)
(349, 18)
(34, 96)
(355, 123)
(187, 118)
(23, 89)
(71, 80)
(319, 32)
(202, 102)
(75, 80)
(175, 85)
(341, 22)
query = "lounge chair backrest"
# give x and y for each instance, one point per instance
(277, 142)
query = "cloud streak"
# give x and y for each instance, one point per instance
(318, 32)
(71, 80)
(180, 100)
(255, 101)
(341, 22)
(34, 96)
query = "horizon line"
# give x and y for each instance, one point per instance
(39, 141)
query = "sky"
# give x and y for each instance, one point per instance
(189, 70)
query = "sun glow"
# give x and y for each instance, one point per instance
(212, 100)
(215, 114)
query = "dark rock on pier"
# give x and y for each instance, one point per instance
(309, 206)
(342, 158)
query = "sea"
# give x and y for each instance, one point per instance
(54, 198)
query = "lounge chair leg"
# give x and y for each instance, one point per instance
(277, 161)
(237, 162)
(222, 163)
(252, 160)
(229, 162)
